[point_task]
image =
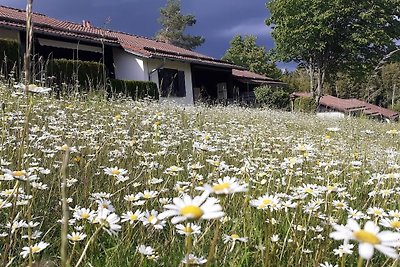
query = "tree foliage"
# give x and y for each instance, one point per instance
(272, 97)
(382, 89)
(334, 36)
(246, 53)
(174, 24)
(297, 80)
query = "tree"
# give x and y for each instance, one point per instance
(174, 25)
(334, 36)
(297, 80)
(245, 52)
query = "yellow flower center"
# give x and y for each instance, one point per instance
(339, 205)
(267, 202)
(192, 211)
(85, 215)
(366, 237)
(18, 173)
(147, 196)
(221, 187)
(65, 147)
(395, 224)
(35, 249)
(75, 238)
(133, 217)
(235, 236)
(115, 172)
(188, 229)
(151, 218)
(309, 190)
(330, 188)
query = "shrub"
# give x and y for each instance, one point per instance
(9, 55)
(305, 104)
(87, 73)
(135, 89)
(272, 97)
(396, 107)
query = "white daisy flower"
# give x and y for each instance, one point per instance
(188, 229)
(132, 217)
(191, 259)
(200, 207)
(76, 236)
(84, 214)
(109, 221)
(145, 250)
(33, 249)
(369, 238)
(266, 202)
(227, 185)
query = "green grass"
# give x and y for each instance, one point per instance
(258, 147)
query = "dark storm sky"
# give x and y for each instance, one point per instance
(217, 20)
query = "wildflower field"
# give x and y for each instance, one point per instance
(91, 182)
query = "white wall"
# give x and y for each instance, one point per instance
(153, 64)
(129, 66)
(9, 34)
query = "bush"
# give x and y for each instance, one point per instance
(88, 74)
(305, 104)
(396, 107)
(9, 55)
(135, 89)
(272, 97)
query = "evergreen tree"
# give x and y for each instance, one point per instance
(174, 25)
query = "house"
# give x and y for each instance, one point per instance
(181, 75)
(245, 81)
(353, 107)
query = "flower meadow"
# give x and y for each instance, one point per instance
(94, 182)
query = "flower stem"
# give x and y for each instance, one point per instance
(87, 246)
(360, 262)
(213, 244)
(188, 245)
(64, 225)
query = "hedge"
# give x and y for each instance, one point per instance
(9, 55)
(135, 89)
(305, 104)
(275, 97)
(87, 73)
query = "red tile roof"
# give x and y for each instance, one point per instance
(348, 105)
(252, 77)
(376, 110)
(142, 46)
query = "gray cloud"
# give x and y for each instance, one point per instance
(217, 20)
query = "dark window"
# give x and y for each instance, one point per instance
(172, 83)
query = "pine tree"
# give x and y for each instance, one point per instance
(174, 25)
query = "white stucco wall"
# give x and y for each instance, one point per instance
(153, 64)
(129, 66)
(9, 34)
